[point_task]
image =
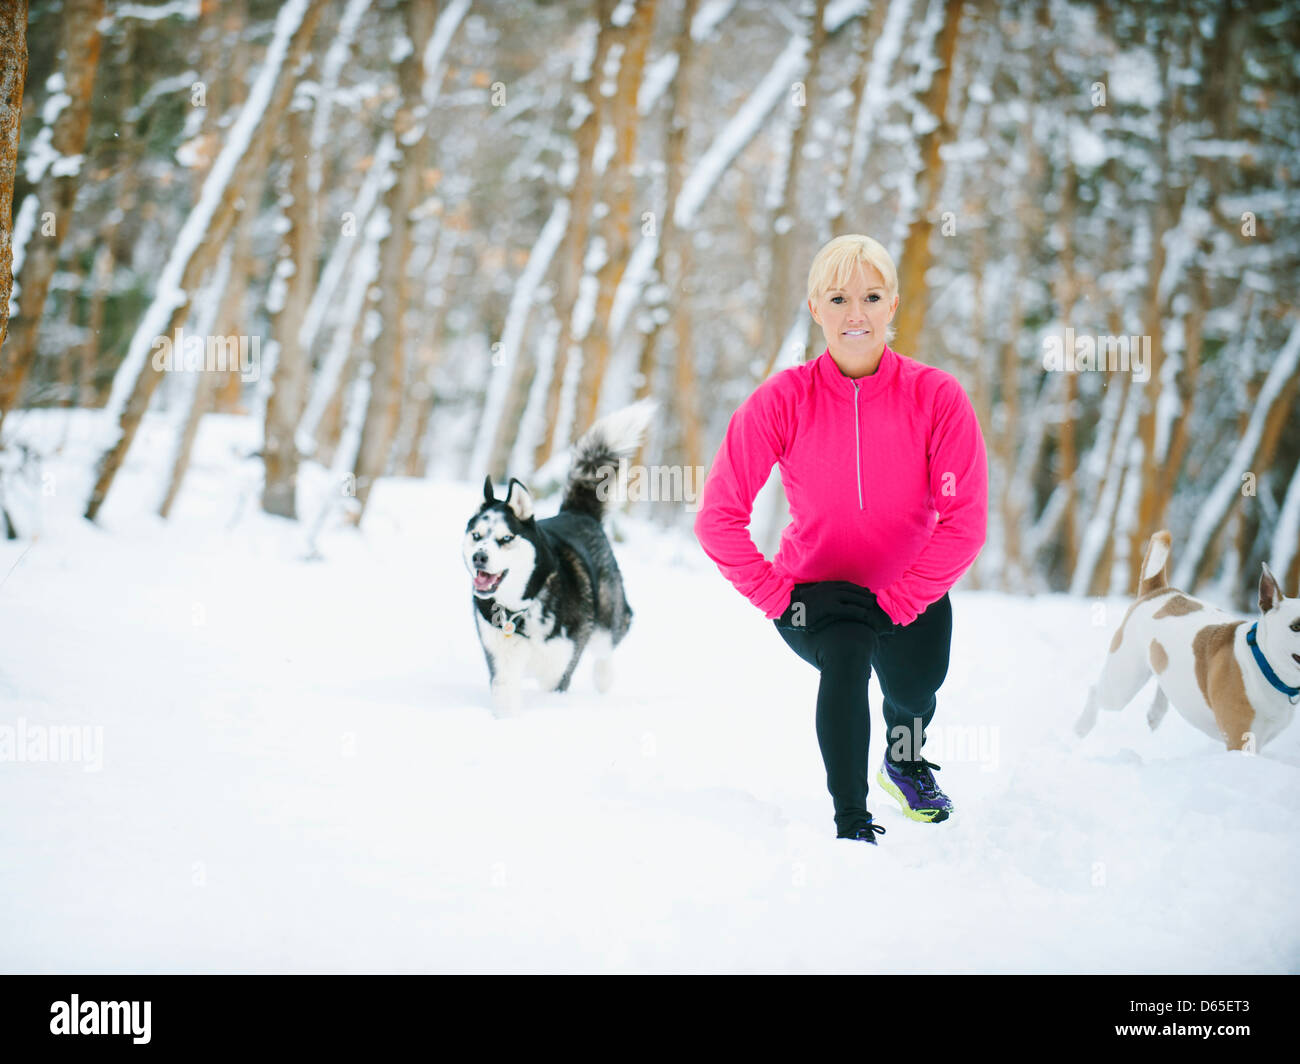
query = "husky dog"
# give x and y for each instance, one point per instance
(1235, 680)
(545, 589)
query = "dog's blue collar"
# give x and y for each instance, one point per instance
(1292, 692)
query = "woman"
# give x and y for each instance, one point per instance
(886, 475)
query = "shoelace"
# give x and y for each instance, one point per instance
(870, 826)
(921, 772)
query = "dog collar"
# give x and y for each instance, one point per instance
(508, 625)
(1291, 692)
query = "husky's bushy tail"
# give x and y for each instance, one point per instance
(596, 455)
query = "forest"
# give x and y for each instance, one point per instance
(418, 239)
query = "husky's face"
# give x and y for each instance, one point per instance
(1278, 634)
(498, 546)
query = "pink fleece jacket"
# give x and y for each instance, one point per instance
(886, 477)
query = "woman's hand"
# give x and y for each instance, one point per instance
(813, 606)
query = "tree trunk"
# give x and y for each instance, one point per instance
(13, 76)
(1167, 215)
(288, 395)
(910, 320)
(574, 252)
(618, 243)
(230, 91)
(667, 276)
(56, 192)
(388, 348)
(864, 43)
(776, 318)
(1193, 333)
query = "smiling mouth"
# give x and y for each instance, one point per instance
(856, 332)
(485, 583)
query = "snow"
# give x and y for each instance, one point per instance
(40, 153)
(299, 771)
(435, 51)
(658, 75)
(1087, 150)
(639, 266)
(622, 14)
(1134, 78)
(24, 226)
(189, 9)
(184, 81)
(708, 17)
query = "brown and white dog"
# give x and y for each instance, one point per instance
(1203, 659)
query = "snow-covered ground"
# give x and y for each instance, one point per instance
(293, 767)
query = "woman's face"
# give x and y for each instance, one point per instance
(854, 320)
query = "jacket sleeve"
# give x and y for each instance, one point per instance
(754, 441)
(959, 485)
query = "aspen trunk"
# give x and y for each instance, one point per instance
(775, 319)
(863, 44)
(387, 351)
(1193, 332)
(574, 252)
(56, 193)
(668, 259)
(13, 76)
(909, 323)
(622, 185)
(289, 389)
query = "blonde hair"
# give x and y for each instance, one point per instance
(835, 263)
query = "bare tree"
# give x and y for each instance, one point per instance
(56, 191)
(915, 261)
(626, 124)
(296, 272)
(13, 76)
(386, 351)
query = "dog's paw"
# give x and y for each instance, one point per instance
(604, 675)
(1159, 707)
(506, 702)
(1088, 717)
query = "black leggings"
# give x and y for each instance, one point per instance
(910, 662)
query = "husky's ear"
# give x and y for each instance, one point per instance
(1270, 592)
(519, 501)
(488, 497)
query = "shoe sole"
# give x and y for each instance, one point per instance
(925, 816)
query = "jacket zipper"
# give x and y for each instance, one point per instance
(857, 442)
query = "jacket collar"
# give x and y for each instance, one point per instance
(832, 378)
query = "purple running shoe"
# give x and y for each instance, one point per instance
(912, 783)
